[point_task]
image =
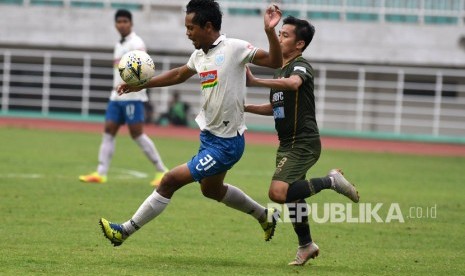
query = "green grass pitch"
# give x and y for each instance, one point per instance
(49, 220)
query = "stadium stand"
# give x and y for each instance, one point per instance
(382, 67)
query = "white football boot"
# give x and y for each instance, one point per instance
(343, 186)
(305, 253)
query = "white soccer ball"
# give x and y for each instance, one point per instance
(136, 68)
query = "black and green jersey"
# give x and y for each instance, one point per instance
(294, 111)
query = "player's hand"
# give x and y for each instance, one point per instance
(272, 16)
(124, 88)
(250, 78)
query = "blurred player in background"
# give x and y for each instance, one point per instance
(128, 108)
(221, 64)
(292, 103)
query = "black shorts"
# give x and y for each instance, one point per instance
(293, 163)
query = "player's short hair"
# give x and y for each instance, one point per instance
(304, 30)
(123, 13)
(205, 11)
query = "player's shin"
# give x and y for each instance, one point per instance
(237, 199)
(148, 210)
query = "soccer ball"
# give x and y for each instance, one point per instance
(136, 68)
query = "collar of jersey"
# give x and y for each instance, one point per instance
(291, 61)
(128, 37)
(218, 41)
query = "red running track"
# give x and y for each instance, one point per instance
(350, 144)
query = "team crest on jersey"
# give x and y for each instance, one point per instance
(219, 59)
(209, 79)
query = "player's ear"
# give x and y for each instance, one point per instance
(208, 26)
(300, 44)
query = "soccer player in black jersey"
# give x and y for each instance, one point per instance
(292, 104)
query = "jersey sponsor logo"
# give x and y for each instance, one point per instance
(278, 101)
(278, 112)
(300, 68)
(209, 79)
(219, 59)
(205, 163)
(278, 97)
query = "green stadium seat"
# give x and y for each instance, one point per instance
(440, 20)
(291, 13)
(239, 11)
(54, 3)
(315, 15)
(127, 6)
(11, 2)
(353, 16)
(401, 18)
(87, 4)
(325, 2)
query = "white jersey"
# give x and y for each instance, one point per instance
(222, 79)
(130, 43)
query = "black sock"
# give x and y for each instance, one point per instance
(301, 189)
(299, 217)
(320, 184)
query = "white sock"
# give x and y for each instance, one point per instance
(107, 148)
(148, 147)
(237, 199)
(148, 210)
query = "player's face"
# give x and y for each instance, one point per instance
(195, 33)
(288, 40)
(123, 25)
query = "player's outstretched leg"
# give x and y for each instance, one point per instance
(305, 253)
(112, 231)
(343, 186)
(269, 225)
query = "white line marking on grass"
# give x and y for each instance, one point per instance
(20, 175)
(131, 173)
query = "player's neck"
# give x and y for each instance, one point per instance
(212, 43)
(290, 57)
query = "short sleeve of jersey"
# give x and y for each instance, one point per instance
(303, 70)
(244, 51)
(191, 63)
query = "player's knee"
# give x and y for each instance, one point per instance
(168, 185)
(211, 193)
(277, 196)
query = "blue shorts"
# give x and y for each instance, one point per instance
(130, 112)
(216, 155)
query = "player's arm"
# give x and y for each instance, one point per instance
(171, 77)
(260, 109)
(291, 83)
(273, 58)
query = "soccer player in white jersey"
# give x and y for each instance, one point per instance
(123, 109)
(220, 63)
